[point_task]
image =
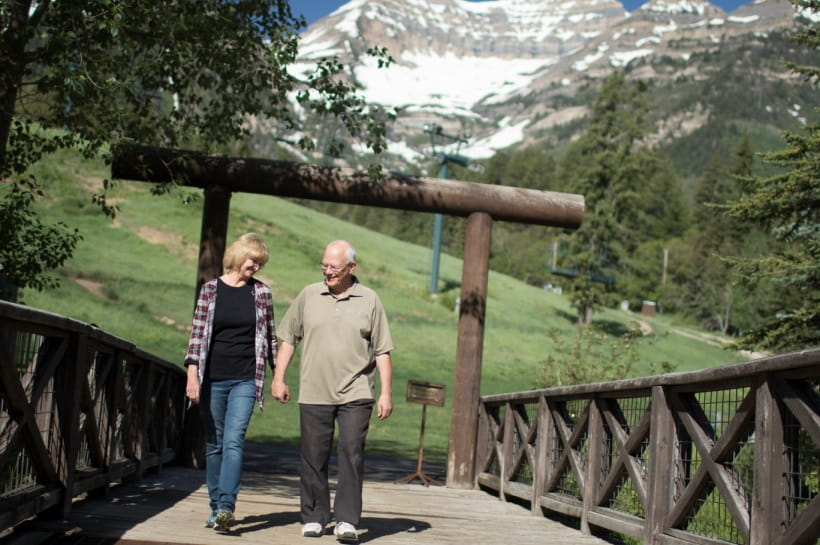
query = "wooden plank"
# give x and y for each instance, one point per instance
(804, 363)
(562, 504)
(171, 508)
(518, 490)
(616, 521)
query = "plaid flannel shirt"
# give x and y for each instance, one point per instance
(265, 346)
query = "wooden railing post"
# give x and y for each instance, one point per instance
(484, 444)
(595, 441)
(69, 381)
(542, 446)
(661, 451)
(507, 454)
(768, 466)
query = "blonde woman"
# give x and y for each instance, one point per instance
(233, 338)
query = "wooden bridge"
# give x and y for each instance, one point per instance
(91, 426)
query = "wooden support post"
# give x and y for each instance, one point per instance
(215, 211)
(467, 383)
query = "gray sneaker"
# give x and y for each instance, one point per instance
(346, 533)
(312, 529)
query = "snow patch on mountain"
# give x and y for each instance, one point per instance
(504, 137)
(447, 79)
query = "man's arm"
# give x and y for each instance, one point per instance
(278, 389)
(385, 366)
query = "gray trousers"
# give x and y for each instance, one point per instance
(317, 424)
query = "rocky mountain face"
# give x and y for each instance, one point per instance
(516, 72)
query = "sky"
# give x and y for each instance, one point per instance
(315, 9)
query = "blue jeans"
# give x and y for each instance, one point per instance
(228, 405)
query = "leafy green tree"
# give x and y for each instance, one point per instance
(96, 75)
(30, 249)
(788, 205)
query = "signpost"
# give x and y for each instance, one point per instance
(425, 393)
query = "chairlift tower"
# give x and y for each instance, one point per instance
(438, 220)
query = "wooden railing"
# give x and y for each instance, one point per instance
(723, 455)
(80, 409)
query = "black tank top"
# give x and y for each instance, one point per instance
(232, 343)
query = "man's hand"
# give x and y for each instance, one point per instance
(280, 391)
(384, 407)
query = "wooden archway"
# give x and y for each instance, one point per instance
(481, 203)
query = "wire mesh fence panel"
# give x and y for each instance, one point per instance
(728, 454)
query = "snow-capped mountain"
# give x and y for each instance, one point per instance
(506, 71)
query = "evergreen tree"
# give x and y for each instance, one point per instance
(604, 166)
(710, 287)
(788, 205)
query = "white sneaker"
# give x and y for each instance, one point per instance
(346, 532)
(312, 529)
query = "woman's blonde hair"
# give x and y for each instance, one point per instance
(249, 245)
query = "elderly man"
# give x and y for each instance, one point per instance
(345, 338)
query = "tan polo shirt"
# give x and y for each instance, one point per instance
(340, 339)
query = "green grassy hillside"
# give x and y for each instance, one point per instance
(135, 276)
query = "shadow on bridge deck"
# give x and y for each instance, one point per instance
(171, 506)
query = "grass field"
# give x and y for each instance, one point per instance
(135, 277)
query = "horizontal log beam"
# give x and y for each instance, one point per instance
(345, 185)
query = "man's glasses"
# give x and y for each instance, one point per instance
(332, 268)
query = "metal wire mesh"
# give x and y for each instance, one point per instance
(495, 414)
(568, 484)
(625, 498)
(19, 474)
(523, 473)
(802, 467)
(710, 515)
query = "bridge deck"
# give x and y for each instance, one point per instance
(171, 507)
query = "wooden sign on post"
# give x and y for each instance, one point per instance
(425, 393)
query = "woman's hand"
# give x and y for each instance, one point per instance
(192, 387)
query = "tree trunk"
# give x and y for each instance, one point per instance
(14, 41)
(585, 316)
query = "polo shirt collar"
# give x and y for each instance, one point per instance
(352, 292)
